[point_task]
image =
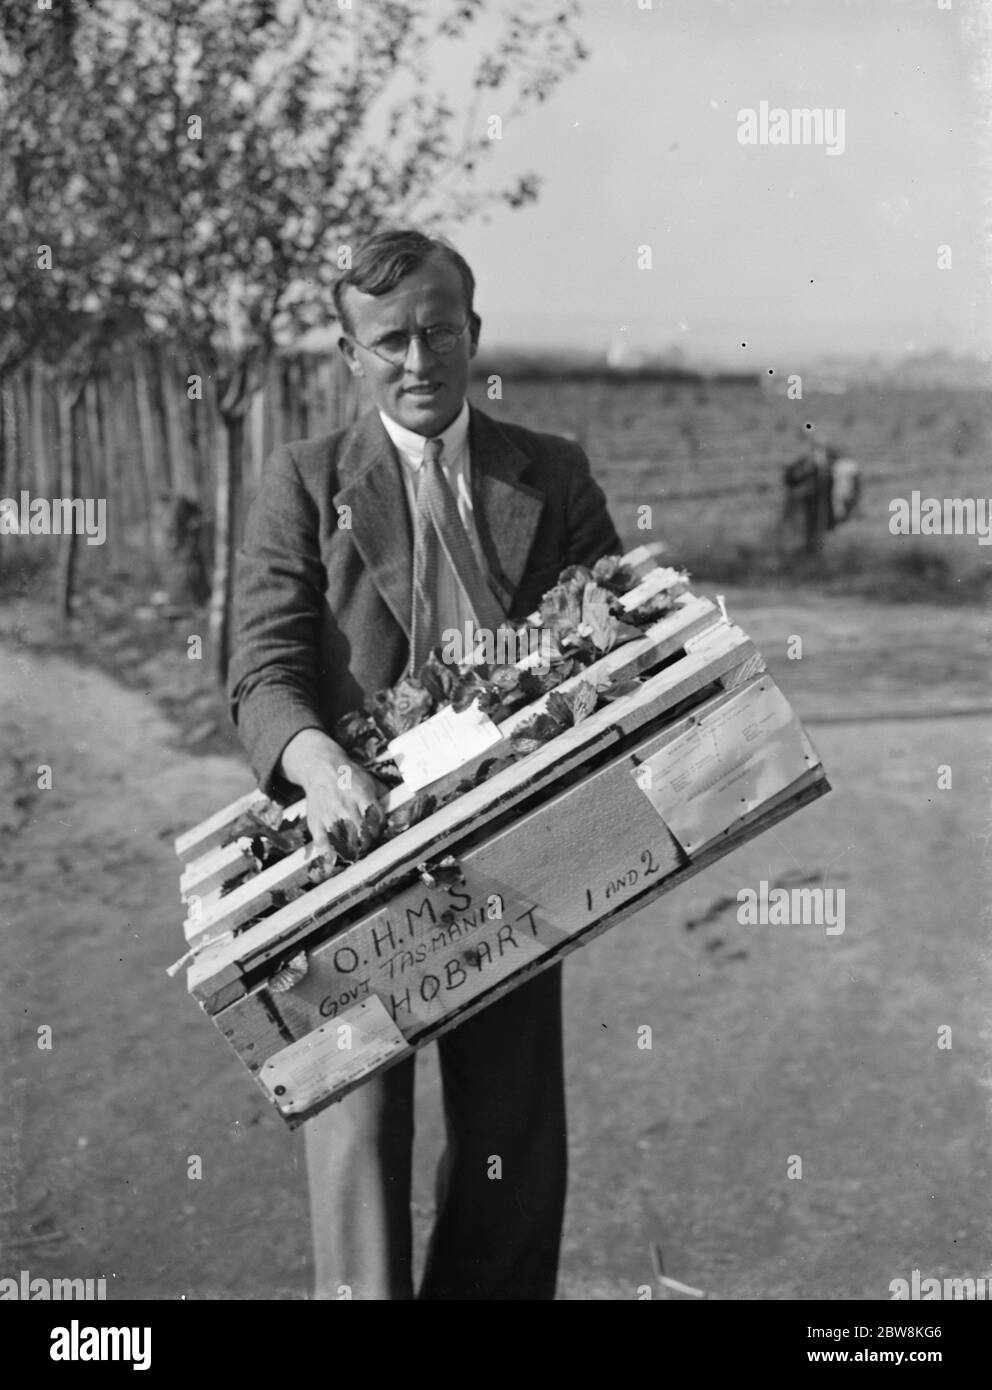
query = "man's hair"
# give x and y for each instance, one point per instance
(387, 257)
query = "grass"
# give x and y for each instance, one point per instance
(914, 571)
(123, 624)
(708, 461)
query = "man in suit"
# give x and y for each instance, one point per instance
(361, 549)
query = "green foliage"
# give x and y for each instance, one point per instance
(197, 166)
(585, 625)
(351, 842)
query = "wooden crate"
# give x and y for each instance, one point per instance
(317, 985)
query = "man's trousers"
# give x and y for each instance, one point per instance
(500, 1188)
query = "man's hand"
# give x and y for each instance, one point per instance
(335, 787)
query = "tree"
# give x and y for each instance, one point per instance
(62, 303)
(241, 150)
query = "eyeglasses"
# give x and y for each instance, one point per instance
(440, 338)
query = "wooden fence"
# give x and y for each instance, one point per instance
(142, 441)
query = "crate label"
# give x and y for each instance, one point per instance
(427, 952)
(728, 764)
(441, 744)
(355, 1044)
(485, 932)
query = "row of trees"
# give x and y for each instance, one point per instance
(196, 171)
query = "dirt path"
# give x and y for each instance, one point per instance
(769, 1042)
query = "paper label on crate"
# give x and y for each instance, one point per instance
(726, 765)
(344, 1049)
(441, 744)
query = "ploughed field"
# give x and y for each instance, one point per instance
(708, 458)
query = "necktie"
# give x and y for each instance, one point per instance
(438, 526)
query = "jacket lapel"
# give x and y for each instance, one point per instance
(371, 485)
(506, 510)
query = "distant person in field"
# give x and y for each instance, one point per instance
(822, 489)
(327, 615)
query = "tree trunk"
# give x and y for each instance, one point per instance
(96, 482)
(228, 464)
(117, 480)
(150, 468)
(256, 431)
(65, 570)
(38, 478)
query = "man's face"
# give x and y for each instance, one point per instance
(424, 393)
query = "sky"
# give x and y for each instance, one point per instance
(760, 254)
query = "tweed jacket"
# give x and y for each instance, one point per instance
(324, 576)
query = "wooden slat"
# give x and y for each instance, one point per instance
(289, 875)
(644, 557)
(227, 860)
(807, 788)
(10, 439)
(94, 445)
(154, 461)
(217, 827)
(640, 561)
(692, 616)
(203, 875)
(654, 583)
(423, 971)
(172, 385)
(215, 976)
(292, 874)
(202, 421)
(211, 870)
(22, 460)
(519, 864)
(116, 468)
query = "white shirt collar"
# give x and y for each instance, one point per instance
(411, 445)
